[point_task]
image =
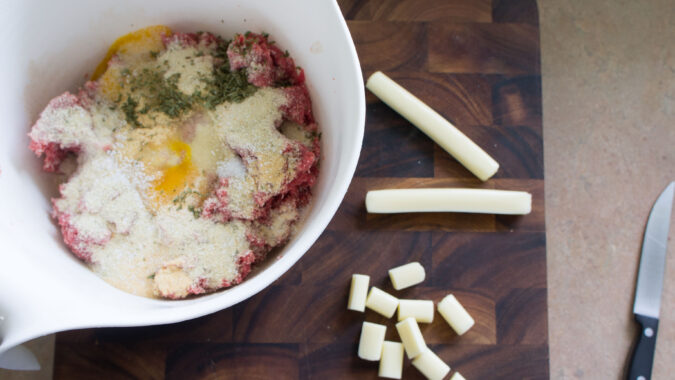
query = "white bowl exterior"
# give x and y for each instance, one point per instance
(50, 47)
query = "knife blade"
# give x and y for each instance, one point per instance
(650, 285)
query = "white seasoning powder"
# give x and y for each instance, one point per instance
(231, 168)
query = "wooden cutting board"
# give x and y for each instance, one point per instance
(477, 63)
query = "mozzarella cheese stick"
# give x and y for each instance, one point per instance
(411, 336)
(381, 302)
(372, 338)
(358, 292)
(455, 314)
(484, 201)
(391, 363)
(431, 366)
(433, 125)
(407, 275)
(457, 376)
(421, 310)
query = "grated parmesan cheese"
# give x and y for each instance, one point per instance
(65, 122)
(250, 127)
(192, 66)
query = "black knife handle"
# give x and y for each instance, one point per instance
(640, 366)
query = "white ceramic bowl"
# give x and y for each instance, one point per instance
(51, 46)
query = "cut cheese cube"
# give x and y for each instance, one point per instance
(483, 201)
(372, 338)
(407, 275)
(391, 364)
(411, 336)
(457, 376)
(358, 292)
(431, 366)
(455, 314)
(381, 302)
(421, 310)
(433, 125)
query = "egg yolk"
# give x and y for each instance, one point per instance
(176, 173)
(139, 42)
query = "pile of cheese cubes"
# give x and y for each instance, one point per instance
(372, 345)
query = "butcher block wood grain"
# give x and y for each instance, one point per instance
(477, 63)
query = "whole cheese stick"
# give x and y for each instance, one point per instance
(391, 363)
(372, 338)
(484, 201)
(358, 292)
(433, 125)
(455, 314)
(431, 366)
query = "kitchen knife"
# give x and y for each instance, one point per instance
(650, 284)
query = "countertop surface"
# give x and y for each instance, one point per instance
(608, 73)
